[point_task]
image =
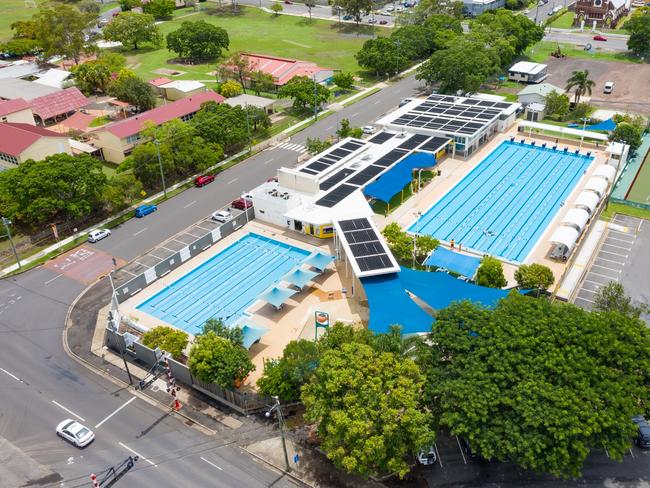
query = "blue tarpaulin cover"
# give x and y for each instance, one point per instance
(608, 124)
(277, 295)
(395, 179)
(319, 260)
(252, 334)
(454, 261)
(299, 277)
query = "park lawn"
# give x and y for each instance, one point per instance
(541, 51)
(12, 11)
(256, 31)
(564, 21)
(108, 6)
(614, 208)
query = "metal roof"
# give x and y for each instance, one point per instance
(15, 138)
(59, 103)
(12, 88)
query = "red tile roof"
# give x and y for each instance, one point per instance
(13, 106)
(282, 69)
(15, 138)
(159, 81)
(59, 103)
(162, 114)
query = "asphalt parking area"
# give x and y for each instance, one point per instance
(622, 258)
(84, 264)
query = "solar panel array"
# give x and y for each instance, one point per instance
(367, 249)
(445, 114)
(434, 144)
(413, 142)
(381, 137)
(328, 159)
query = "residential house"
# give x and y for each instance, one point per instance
(117, 139)
(527, 72)
(284, 70)
(18, 110)
(58, 106)
(246, 100)
(20, 142)
(600, 13)
(537, 93)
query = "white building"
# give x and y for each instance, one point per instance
(527, 72)
(537, 93)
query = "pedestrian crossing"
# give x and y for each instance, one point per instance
(299, 148)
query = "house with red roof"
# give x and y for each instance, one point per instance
(58, 106)
(284, 69)
(117, 140)
(18, 110)
(20, 142)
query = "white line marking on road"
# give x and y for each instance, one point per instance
(618, 247)
(118, 409)
(588, 291)
(585, 299)
(460, 449)
(268, 161)
(329, 128)
(190, 204)
(12, 375)
(375, 103)
(604, 276)
(139, 455)
(610, 260)
(618, 239)
(211, 464)
(354, 114)
(140, 232)
(232, 181)
(615, 253)
(609, 269)
(55, 278)
(593, 283)
(435, 446)
(68, 410)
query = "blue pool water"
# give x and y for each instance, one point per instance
(225, 285)
(504, 204)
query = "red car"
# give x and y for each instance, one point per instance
(241, 204)
(203, 180)
(600, 38)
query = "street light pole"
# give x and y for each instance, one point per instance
(162, 174)
(278, 408)
(6, 223)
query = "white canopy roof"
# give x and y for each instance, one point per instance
(586, 134)
(567, 236)
(605, 171)
(576, 217)
(599, 185)
(588, 200)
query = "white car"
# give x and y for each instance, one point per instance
(222, 216)
(72, 431)
(609, 87)
(369, 129)
(427, 457)
(98, 234)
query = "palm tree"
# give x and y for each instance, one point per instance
(581, 82)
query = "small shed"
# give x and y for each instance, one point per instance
(537, 93)
(528, 72)
(245, 100)
(178, 89)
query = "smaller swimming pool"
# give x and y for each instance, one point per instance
(225, 285)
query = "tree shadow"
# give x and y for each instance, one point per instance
(349, 29)
(224, 11)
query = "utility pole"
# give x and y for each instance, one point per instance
(278, 409)
(162, 174)
(315, 97)
(248, 129)
(6, 223)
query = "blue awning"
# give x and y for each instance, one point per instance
(299, 277)
(607, 125)
(395, 179)
(252, 334)
(319, 260)
(454, 261)
(277, 295)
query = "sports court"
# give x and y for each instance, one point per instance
(639, 192)
(505, 203)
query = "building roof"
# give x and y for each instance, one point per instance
(12, 88)
(159, 81)
(15, 138)
(184, 86)
(251, 100)
(160, 115)
(59, 103)
(527, 67)
(53, 77)
(542, 89)
(282, 69)
(13, 106)
(20, 69)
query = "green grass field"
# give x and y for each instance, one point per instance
(564, 21)
(640, 191)
(541, 51)
(10, 12)
(255, 31)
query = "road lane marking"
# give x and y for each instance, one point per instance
(461, 450)
(139, 232)
(616, 246)
(190, 204)
(605, 267)
(68, 410)
(615, 253)
(613, 278)
(12, 375)
(619, 239)
(268, 161)
(232, 181)
(55, 278)
(118, 409)
(610, 260)
(354, 114)
(435, 446)
(211, 464)
(377, 102)
(329, 128)
(140, 456)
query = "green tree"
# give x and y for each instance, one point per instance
(160, 9)
(230, 89)
(612, 298)
(399, 242)
(356, 8)
(286, 376)
(305, 93)
(58, 188)
(366, 405)
(537, 383)
(490, 273)
(112, 60)
(258, 118)
(557, 104)
(339, 334)
(424, 244)
(122, 190)
(92, 77)
(582, 84)
(639, 28)
(214, 359)
(627, 134)
(418, 41)
(217, 327)
(430, 8)
(315, 145)
(20, 47)
(223, 125)
(518, 29)
(24, 29)
(198, 41)
(345, 129)
(236, 67)
(582, 111)
(276, 8)
(126, 5)
(343, 80)
(59, 29)
(535, 276)
(462, 65)
(89, 7)
(132, 29)
(261, 81)
(310, 4)
(384, 56)
(134, 91)
(168, 339)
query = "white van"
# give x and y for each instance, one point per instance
(609, 87)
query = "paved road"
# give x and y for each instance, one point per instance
(613, 43)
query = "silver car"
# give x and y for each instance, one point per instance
(72, 431)
(98, 234)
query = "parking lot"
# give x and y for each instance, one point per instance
(621, 257)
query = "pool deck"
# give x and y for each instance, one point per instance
(296, 318)
(454, 170)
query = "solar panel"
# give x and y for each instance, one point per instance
(413, 142)
(365, 175)
(433, 144)
(381, 138)
(354, 224)
(370, 248)
(336, 195)
(352, 145)
(372, 263)
(336, 178)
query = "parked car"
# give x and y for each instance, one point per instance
(241, 204)
(609, 87)
(643, 436)
(600, 38)
(222, 216)
(372, 21)
(203, 180)
(404, 101)
(369, 129)
(248, 197)
(427, 457)
(144, 210)
(98, 234)
(383, 22)
(347, 17)
(72, 431)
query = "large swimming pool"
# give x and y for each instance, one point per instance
(225, 285)
(504, 204)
